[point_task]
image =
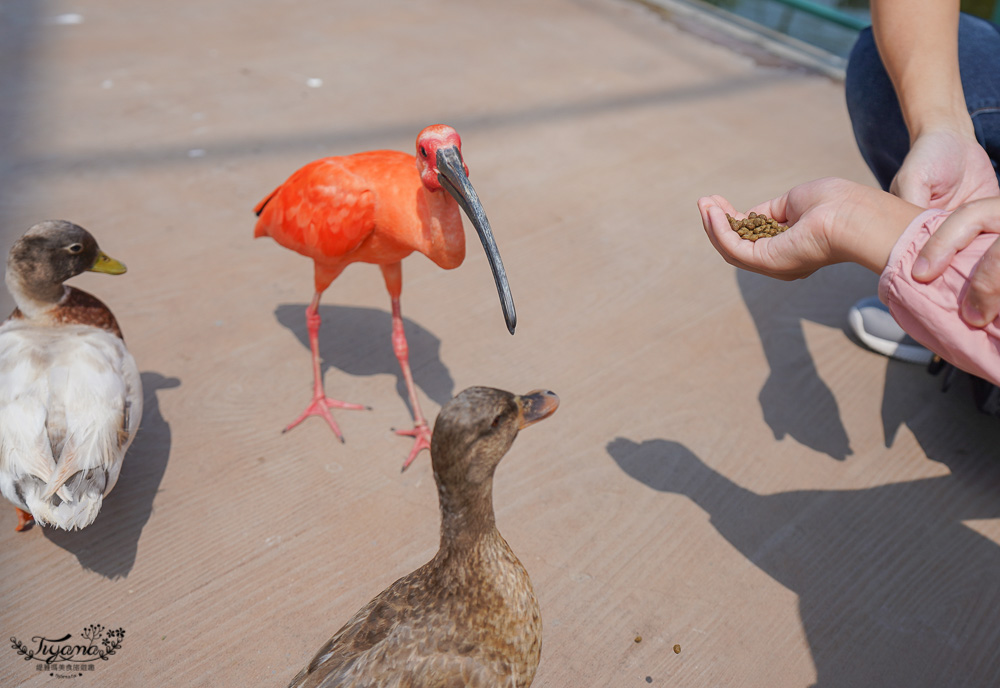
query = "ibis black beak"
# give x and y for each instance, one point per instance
(451, 174)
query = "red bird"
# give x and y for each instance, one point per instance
(379, 207)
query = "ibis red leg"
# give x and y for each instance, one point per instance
(320, 404)
(421, 432)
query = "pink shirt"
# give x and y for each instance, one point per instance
(929, 312)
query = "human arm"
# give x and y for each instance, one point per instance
(918, 43)
(946, 166)
(981, 302)
(831, 221)
(930, 311)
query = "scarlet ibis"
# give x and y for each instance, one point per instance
(379, 207)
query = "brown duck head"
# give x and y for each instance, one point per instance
(472, 433)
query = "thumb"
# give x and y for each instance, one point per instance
(906, 187)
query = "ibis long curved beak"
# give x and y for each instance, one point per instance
(106, 264)
(451, 174)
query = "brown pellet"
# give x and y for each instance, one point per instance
(755, 226)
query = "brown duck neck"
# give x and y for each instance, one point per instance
(466, 519)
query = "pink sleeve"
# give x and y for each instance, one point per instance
(929, 312)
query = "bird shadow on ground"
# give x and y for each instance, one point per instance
(108, 546)
(893, 587)
(358, 341)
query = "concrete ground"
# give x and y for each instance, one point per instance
(728, 471)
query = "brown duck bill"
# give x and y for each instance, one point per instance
(536, 406)
(451, 174)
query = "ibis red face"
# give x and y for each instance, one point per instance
(439, 156)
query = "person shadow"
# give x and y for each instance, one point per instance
(358, 341)
(893, 587)
(796, 401)
(109, 545)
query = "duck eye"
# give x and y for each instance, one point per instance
(496, 421)
(75, 248)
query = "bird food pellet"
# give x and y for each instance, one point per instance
(638, 639)
(754, 226)
(677, 649)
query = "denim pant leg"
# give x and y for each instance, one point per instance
(878, 124)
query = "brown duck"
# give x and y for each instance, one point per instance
(468, 617)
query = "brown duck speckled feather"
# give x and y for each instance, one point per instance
(469, 616)
(79, 308)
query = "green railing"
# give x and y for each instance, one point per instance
(826, 12)
(851, 22)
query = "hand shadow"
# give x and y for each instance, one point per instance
(108, 545)
(358, 341)
(795, 400)
(891, 583)
(946, 424)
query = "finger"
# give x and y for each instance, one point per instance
(718, 201)
(982, 300)
(776, 208)
(713, 216)
(954, 234)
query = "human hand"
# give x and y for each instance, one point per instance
(830, 221)
(981, 303)
(944, 169)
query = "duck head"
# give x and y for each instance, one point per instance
(47, 255)
(474, 430)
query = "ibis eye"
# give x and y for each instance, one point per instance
(75, 248)
(423, 152)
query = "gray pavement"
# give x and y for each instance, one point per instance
(728, 471)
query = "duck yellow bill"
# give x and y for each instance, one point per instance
(536, 406)
(107, 264)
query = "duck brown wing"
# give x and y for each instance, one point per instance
(439, 670)
(401, 639)
(365, 633)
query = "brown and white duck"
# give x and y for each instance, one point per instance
(469, 616)
(70, 393)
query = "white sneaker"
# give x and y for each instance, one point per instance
(873, 324)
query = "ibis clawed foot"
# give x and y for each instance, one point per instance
(422, 435)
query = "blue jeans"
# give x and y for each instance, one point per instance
(878, 123)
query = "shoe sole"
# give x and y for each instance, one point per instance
(894, 350)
